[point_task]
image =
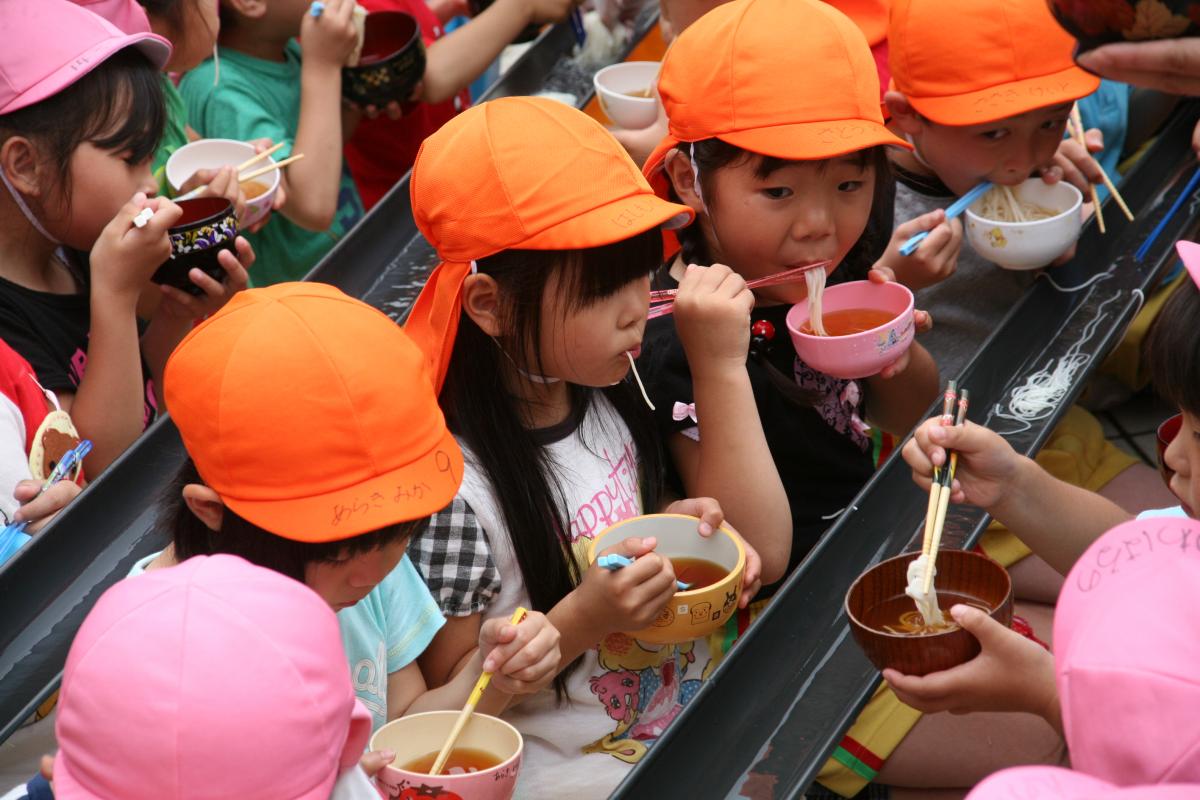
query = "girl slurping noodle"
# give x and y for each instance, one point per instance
(528, 324)
(776, 184)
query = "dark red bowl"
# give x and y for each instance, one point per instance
(208, 226)
(392, 61)
(1098, 22)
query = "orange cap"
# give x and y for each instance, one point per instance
(519, 173)
(311, 414)
(972, 61)
(792, 79)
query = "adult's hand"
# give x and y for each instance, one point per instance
(1168, 65)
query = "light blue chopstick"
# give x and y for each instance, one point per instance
(14, 537)
(577, 26)
(1158, 229)
(616, 562)
(955, 208)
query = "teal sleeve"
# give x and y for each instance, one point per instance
(232, 112)
(413, 619)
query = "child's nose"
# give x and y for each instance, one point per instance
(1174, 457)
(814, 222)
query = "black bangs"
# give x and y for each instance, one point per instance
(118, 107)
(1172, 349)
(588, 276)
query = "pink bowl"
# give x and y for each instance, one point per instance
(857, 355)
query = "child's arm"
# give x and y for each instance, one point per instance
(313, 184)
(732, 461)
(1057, 520)
(1011, 673)
(108, 406)
(461, 56)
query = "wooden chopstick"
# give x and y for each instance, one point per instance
(935, 487)
(444, 754)
(1077, 118)
(270, 168)
(1075, 123)
(250, 162)
(944, 498)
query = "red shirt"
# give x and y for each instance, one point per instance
(382, 150)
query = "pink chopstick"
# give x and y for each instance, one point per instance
(787, 276)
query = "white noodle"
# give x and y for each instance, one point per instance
(638, 378)
(816, 290)
(1001, 205)
(927, 602)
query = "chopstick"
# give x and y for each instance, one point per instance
(1145, 246)
(194, 193)
(1075, 123)
(614, 562)
(947, 489)
(1077, 119)
(787, 276)
(935, 487)
(953, 210)
(472, 701)
(250, 162)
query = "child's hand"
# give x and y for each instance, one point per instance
(375, 760)
(921, 320)
(706, 509)
(626, 599)
(934, 260)
(1075, 164)
(328, 40)
(178, 304)
(523, 658)
(986, 467)
(38, 511)
(1011, 673)
(712, 317)
(125, 256)
(539, 12)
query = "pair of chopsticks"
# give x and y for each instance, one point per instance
(953, 210)
(194, 193)
(614, 562)
(443, 755)
(943, 486)
(787, 276)
(1075, 125)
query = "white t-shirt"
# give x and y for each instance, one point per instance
(624, 693)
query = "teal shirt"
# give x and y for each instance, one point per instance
(174, 135)
(385, 632)
(1108, 109)
(257, 99)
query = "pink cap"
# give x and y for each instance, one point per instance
(1190, 253)
(50, 44)
(212, 679)
(128, 15)
(1055, 783)
(1127, 650)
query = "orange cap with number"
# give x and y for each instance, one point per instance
(519, 173)
(968, 62)
(312, 415)
(792, 79)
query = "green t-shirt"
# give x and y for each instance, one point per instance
(174, 136)
(257, 99)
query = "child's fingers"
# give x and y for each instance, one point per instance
(533, 676)
(922, 320)
(237, 276)
(211, 287)
(881, 274)
(375, 760)
(632, 547)
(183, 304)
(523, 652)
(165, 215)
(51, 501)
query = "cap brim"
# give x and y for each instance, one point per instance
(154, 47)
(1190, 253)
(612, 222)
(1007, 100)
(422, 487)
(804, 141)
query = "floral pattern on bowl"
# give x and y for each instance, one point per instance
(1098, 22)
(204, 236)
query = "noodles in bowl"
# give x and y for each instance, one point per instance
(1001, 205)
(1026, 226)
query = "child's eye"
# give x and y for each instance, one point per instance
(850, 186)
(777, 192)
(1054, 124)
(996, 135)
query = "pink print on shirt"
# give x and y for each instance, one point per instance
(616, 500)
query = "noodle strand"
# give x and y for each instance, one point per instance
(815, 278)
(638, 378)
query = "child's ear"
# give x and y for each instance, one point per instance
(19, 160)
(679, 171)
(205, 504)
(903, 115)
(247, 8)
(481, 302)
